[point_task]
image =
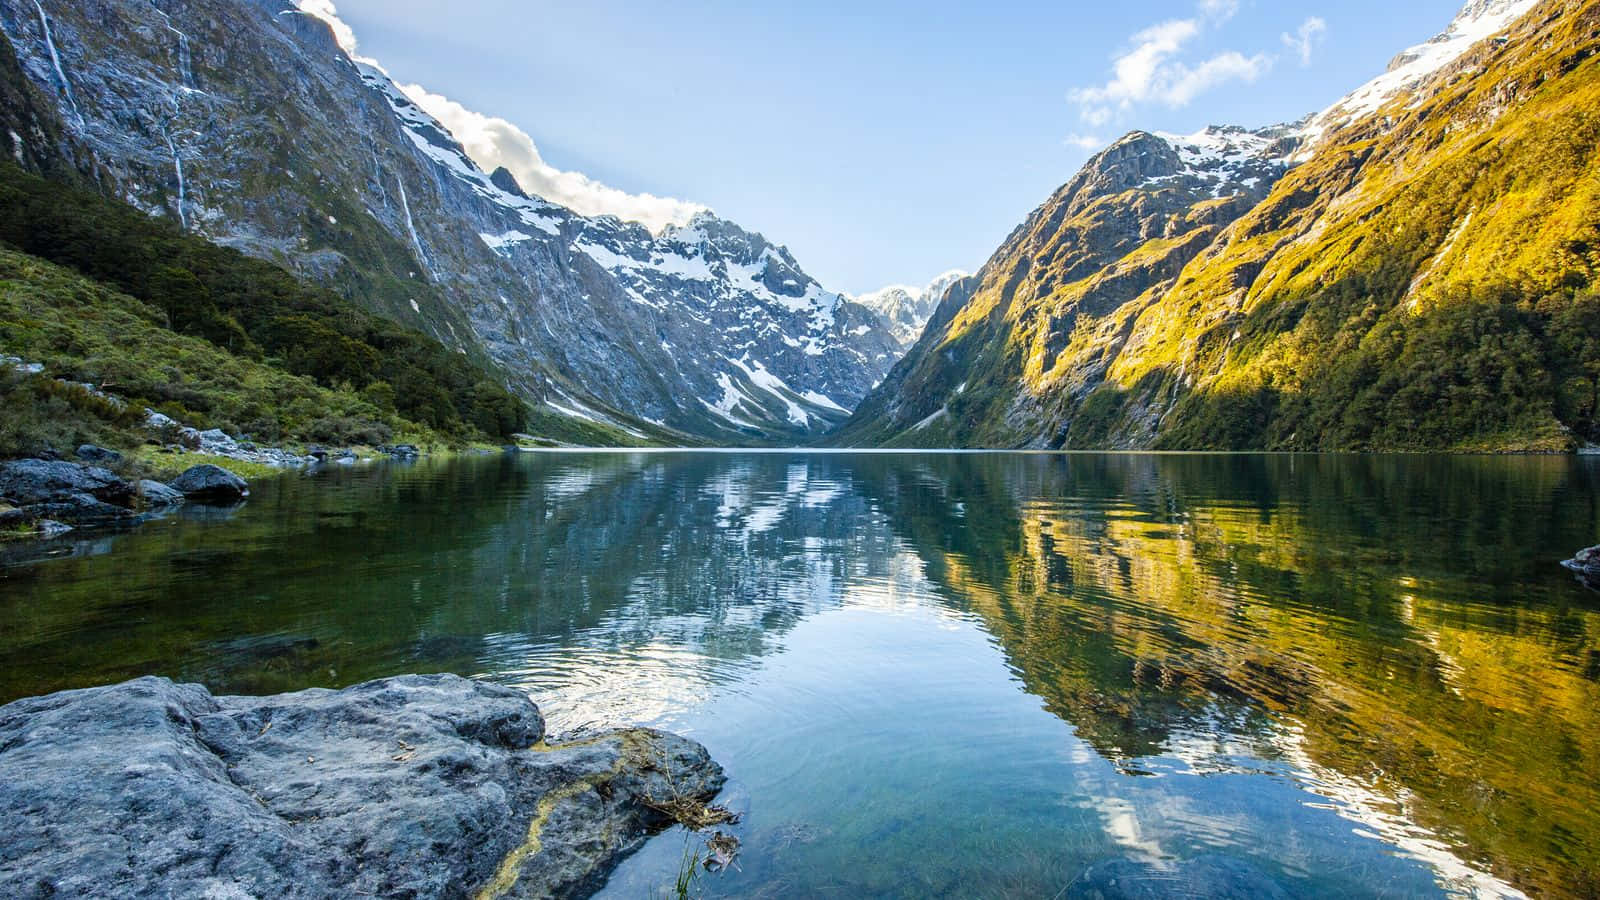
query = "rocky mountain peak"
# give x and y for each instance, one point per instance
(505, 181)
(908, 308)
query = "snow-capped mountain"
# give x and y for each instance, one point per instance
(245, 121)
(906, 308)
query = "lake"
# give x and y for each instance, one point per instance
(985, 675)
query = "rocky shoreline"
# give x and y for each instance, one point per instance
(49, 497)
(416, 786)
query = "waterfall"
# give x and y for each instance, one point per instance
(411, 225)
(185, 65)
(55, 60)
(177, 164)
(185, 59)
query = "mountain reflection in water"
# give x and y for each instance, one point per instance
(1325, 674)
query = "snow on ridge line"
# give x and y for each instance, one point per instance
(415, 121)
(1477, 21)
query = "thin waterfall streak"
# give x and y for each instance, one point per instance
(411, 225)
(55, 60)
(177, 165)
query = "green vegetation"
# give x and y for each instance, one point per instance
(218, 339)
(86, 332)
(1422, 286)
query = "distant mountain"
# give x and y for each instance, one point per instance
(245, 122)
(907, 309)
(1410, 269)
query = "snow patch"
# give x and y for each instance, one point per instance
(772, 384)
(824, 400)
(502, 243)
(941, 413)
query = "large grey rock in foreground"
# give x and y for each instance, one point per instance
(418, 786)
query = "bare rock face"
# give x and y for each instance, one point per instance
(417, 786)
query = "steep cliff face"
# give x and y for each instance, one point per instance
(1420, 278)
(244, 121)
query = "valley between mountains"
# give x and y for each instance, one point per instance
(1410, 269)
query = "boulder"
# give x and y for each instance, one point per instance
(417, 786)
(91, 453)
(218, 442)
(156, 494)
(211, 483)
(29, 481)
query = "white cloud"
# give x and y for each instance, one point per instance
(1084, 141)
(1152, 70)
(495, 142)
(1305, 39)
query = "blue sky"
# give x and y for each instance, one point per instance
(882, 141)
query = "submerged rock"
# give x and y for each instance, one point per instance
(1203, 876)
(211, 483)
(421, 786)
(1587, 565)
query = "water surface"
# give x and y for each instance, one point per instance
(986, 675)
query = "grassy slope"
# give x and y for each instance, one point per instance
(83, 331)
